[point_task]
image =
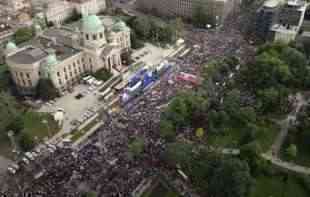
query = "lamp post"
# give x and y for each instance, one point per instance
(13, 143)
(48, 128)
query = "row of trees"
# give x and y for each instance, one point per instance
(23, 35)
(204, 14)
(211, 174)
(278, 70)
(156, 30)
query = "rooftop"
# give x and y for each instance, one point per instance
(28, 55)
(271, 3)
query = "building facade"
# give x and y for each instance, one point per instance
(185, 8)
(58, 11)
(280, 20)
(64, 54)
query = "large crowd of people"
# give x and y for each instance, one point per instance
(105, 165)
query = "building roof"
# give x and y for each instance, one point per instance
(271, 3)
(92, 23)
(28, 55)
(120, 26)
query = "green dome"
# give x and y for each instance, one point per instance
(51, 60)
(120, 26)
(92, 23)
(11, 46)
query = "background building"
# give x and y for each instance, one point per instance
(280, 20)
(57, 11)
(185, 8)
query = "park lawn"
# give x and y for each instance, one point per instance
(267, 186)
(266, 135)
(34, 127)
(303, 148)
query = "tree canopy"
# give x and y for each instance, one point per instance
(23, 34)
(46, 90)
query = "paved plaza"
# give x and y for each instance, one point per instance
(74, 108)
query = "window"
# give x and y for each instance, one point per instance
(22, 74)
(60, 82)
(28, 76)
(29, 82)
(89, 60)
(74, 65)
(65, 70)
(70, 74)
(58, 74)
(87, 36)
(101, 35)
(94, 37)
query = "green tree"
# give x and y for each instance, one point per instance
(46, 90)
(135, 42)
(136, 146)
(16, 125)
(200, 133)
(251, 153)
(178, 26)
(203, 14)
(142, 26)
(179, 153)
(23, 34)
(9, 111)
(25, 141)
(292, 151)
(167, 130)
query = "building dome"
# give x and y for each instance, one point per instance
(51, 60)
(11, 46)
(92, 23)
(120, 26)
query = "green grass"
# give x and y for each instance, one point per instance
(4, 77)
(265, 136)
(303, 148)
(273, 186)
(33, 124)
(77, 134)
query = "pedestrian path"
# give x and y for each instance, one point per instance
(273, 154)
(286, 165)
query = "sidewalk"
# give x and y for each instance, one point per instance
(286, 165)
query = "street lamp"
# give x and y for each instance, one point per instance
(44, 121)
(11, 137)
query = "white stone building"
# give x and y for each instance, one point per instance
(57, 11)
(65, 54)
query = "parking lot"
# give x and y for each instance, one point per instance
(78, 106)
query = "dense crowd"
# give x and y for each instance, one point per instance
(105, 164)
